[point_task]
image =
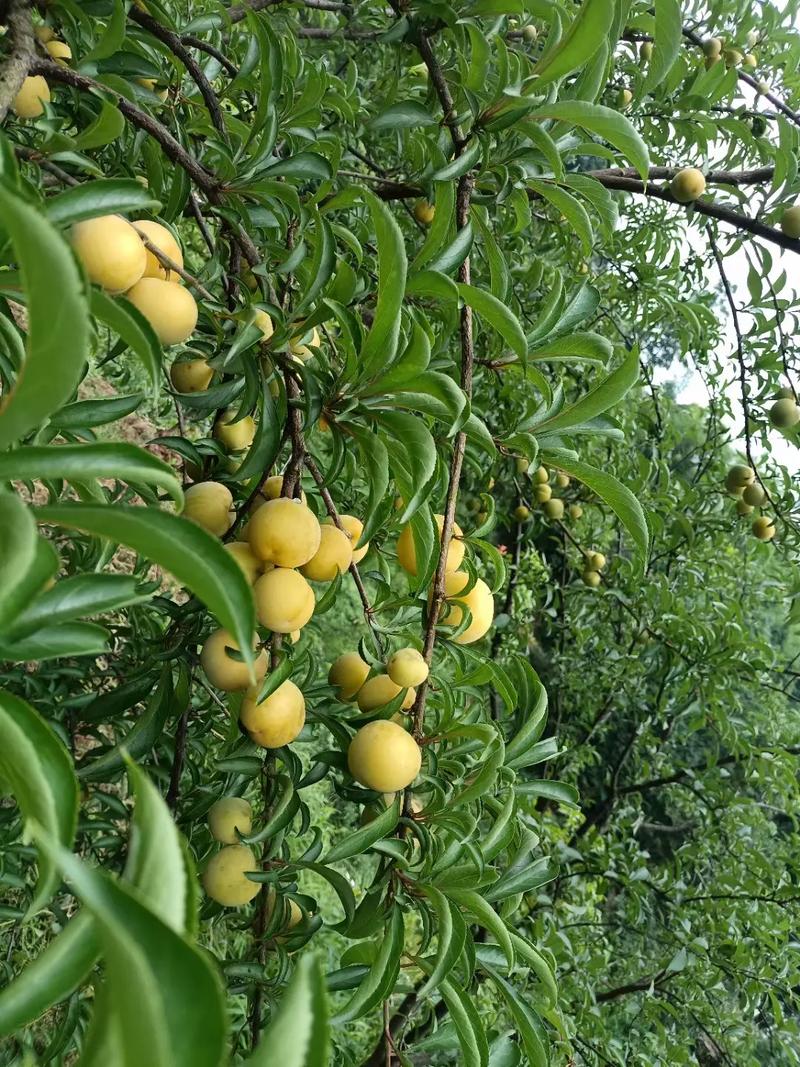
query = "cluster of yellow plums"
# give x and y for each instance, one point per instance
(552, 506)
(740, 481)
(716, 50)
(224, 878)
(114, 257)
(383, 755)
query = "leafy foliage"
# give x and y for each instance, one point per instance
(431, 266)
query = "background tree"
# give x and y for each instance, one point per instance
(399, 292)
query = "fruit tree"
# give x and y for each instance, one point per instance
(399, 522)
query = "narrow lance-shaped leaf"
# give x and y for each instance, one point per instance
(181, 547)
(39, 771)
(58, 313)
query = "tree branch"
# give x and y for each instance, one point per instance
(195, 71)
(21, 53)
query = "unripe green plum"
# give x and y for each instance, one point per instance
(754, 495)
(553, 508)
(522, 514)
(784, 413)
(790, 222)
(595, 561)
(743, 509)
(738, 477)
(542, 492)
(591, 578)
(575, 511)
(541, 475)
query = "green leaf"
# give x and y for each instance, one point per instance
(471, 1034)
(586, 33)
(487, 917)
(376, 471)
(97, 460)
(130, 325)
(39, 772)
(60, 329)
(537, 963)
(108, 126)
(157, 980)
(298, 1035)
(113, 35)
(52, 976)
(618, 497)
(529, 1026)
(55, 642)
(667, 41)
(380, 980)
(461, 164)
(193, 556)
(588, 347)
(497, 315)
(402, 116)
(451, 935)
(307, 166)
(18, 542)
(604, 396)
(380, 344)
(360, 840)
(605, 122)
(75, 597)
(559, 792)
(84, 414)
(104, 196)
(523, 880)
(571, 208)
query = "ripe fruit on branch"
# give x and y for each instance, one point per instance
(733, 57)
(784, 413)
(529, 33)
(384, 757)
(263, 320)
(522, 465)
(591, 578)
(347, 674)
(378, 691)
(790, 222)
(754, 495)
(764, 528)
(243, 554)
(353, 527)
(164, 241)
(478, 600)
(542, 492)
(713, 47)
(742, 508)
(624, 98)
(169, 308)
(541, 475)
(334, 555)
(738, 477)
(226, 816)
(29, 102)
(407, 667)
(152, 85)
(750, 61)
(284, 600)
(284, 532)
(295, 914)
(190, 375)
(302, 350)
(224, 878)
(111, 252)
(595, 561)
(575, 511)
(553, 508)
(407, 556)
(60, 51)
(687, 185)
(209, 504)
(562, 480)
(222, 670)
(278, 719)
(235, 435)
(424, 212)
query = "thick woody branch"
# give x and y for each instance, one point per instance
(173, 149)
(21, 53)
(181, 52)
